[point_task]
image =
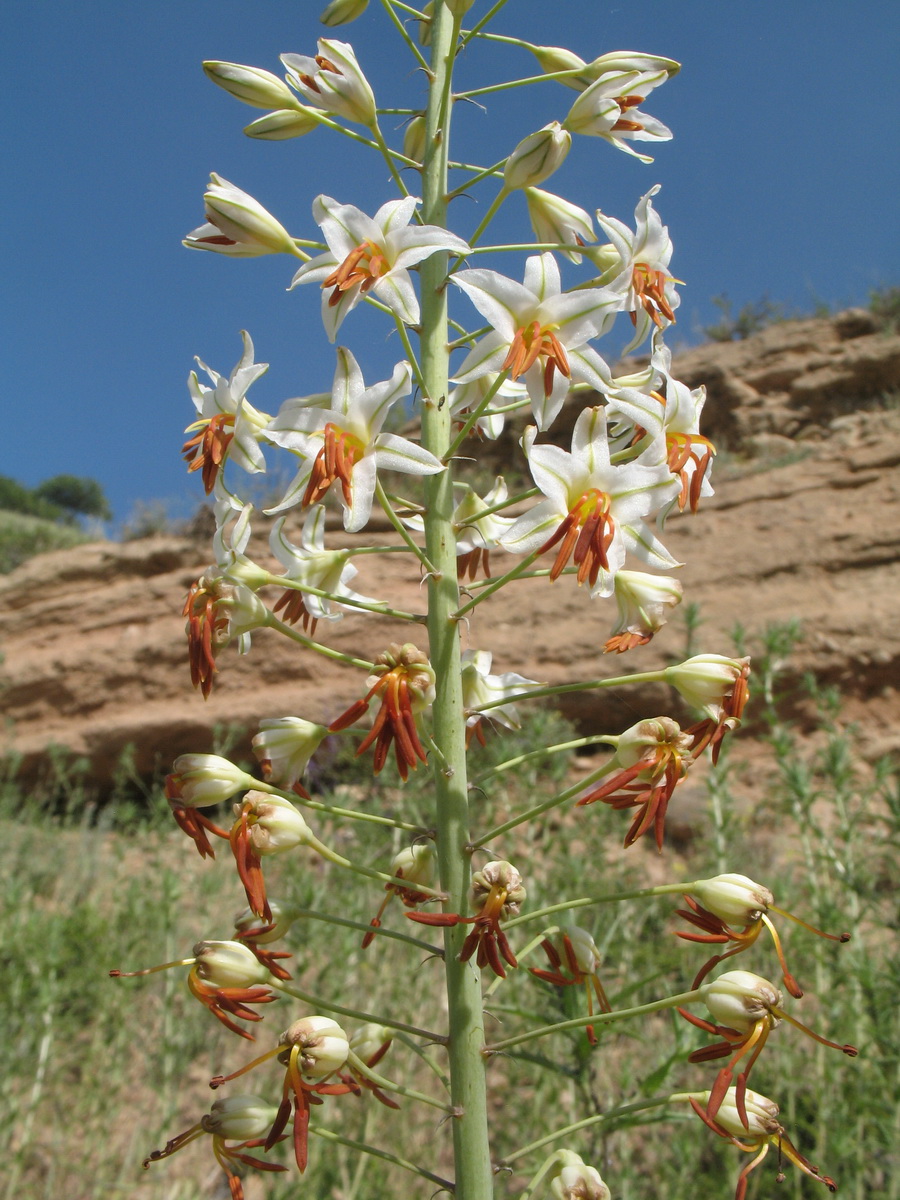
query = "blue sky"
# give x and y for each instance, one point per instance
(782, 179)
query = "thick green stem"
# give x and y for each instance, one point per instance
(468, 1090)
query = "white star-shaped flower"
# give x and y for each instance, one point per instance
(540, 332)
(371, 254)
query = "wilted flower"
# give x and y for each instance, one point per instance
(643, 601)
(217, 611)
(198, 780)
(256, 936)
(415, 866)
(264, 825)
(284, 746)
(574, 960)
(371, 254)
(404, 680)
(241, 1119)
(718, 685)
(333, 81)
(481, 688)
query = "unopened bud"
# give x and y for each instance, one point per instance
(256, 87)
(537, 156)
(414, 139)
(199, 780)
(554, 219)
(732, 898)
(426, 23)
(555, 58)
(240, 1118)
(342, 12)
(284, 124)
(239, 217)
(738, 999)
(229, 965)
(369, 1040)
(323, 1045)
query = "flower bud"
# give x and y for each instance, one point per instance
(284, 124)
(498, 876)
(284, 746)
(734, 899)
(554, 219)
(414, 139)
(240, 1118)
(555, 58)
(426, 23)
(369, 1040)
(228, 965)
(342, 12)
(283, 917)
(738, 999)
(459, 8)
(707, 680)
(199, 780)
(632, 60)
(587, 954)
(254, 86)
(576, 1180)
(333, 80)
(239, 217)
(323, 1045)
(275, 824)
(537, 156)
(762, 1115)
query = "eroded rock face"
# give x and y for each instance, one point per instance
(93, 640)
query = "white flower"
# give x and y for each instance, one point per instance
(284, 746)
(469, 396)
(371, 253)
(641, 275)
(554, 219)
(575, 1180)
(555, 58)
(609, 109)
(228, 425)
(311, 565)
(643, 601)
(594, 509)
(480, 688)
(253, 85)
(340, 441)
(238, 224)
(333, 81)
(709, 682)
(540, 332)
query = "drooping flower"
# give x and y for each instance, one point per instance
(415, 866)
(310, 565)
(333, 81)
(640, 271)
(264, 825)
(540, 333)
(764, 1131)
(478, 531)
(643, 600)
(244, 1120)
(609, 109)
(554, 59)
(651, 759)
(228, 425)
(745, 1009)
(339, 441)
(238, 225)
(574, 961)
(718, 686)
(595, 510)
(256, 935)
(371, 254)
(716, 906)
(284, 746)
(404, 680)
(480, 687)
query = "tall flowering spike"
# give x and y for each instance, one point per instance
(480, 687)
(339, 441)
(333, 81)
(537, 157)
(650, 761)
(310, 565)
(640, 271)
(573, 1179)
(403, 679)
(371, 254)
(720, 904)
(228, 426)
(643, 601)
(554, 219)
(595, 511)
(243, 1120)
(540, 333)
(574, 961)
(609, 109)
(764, 1131)
(283, 748)
(237, 224)
(415, 865)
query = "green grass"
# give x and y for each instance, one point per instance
(95, 1072)
(22, 537)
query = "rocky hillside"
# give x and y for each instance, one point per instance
(804, 524)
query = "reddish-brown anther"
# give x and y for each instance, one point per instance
(205, 629)
(586, 533)
(225, 1003)
(207, 449)
(533, 342)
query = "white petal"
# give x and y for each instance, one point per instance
(533, 528)
(542, 276)
(485, 356)
(398, 293)
(395, 453)
(362, 484)
(345, 227)
(504, 303)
